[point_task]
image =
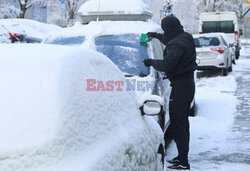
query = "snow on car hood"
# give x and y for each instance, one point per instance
(50, 122)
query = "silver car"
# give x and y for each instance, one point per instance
(213, 51)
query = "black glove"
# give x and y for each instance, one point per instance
(152, 34)
(148, 62)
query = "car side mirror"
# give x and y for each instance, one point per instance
(240, 32)
(151, 108)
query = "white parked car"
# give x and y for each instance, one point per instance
(222, 22)
(213, 51)
(52, 121)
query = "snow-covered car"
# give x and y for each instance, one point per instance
(24, 30)
(212, 51)
(52, 120)
(71, 36)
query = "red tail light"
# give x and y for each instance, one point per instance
(236, 33)
(200, 32)
(218, 49)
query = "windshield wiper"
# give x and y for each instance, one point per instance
(129, 75)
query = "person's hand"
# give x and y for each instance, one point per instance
(147, 62)
(152, 34)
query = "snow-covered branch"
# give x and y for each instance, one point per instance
(8, 11)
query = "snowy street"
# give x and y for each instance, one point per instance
(220, 133)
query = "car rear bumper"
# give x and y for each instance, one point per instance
(218, 62)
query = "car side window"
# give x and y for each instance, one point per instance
(158, 49)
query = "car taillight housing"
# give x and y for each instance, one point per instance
(13, 35)
(218, 49)
(236, 33)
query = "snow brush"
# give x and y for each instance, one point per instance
(144, 40)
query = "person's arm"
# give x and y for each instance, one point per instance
(170, 61)
(158, 36)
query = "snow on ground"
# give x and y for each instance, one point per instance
(245, 47)
(50, 122)
(31, 28)
(116, 6)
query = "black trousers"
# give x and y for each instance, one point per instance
(179, 107)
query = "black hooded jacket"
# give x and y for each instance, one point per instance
(179, 55)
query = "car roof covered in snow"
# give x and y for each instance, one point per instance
(224, 35)
(120, 27)
(114, 7)
(95, 28)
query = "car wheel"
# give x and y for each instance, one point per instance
(237, 54)
(160, 158)
(225, 70)
(193, 110)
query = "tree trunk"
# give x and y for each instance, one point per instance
(23, 11)
(71, 14)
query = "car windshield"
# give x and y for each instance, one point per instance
(77, 40)
(218, 26)
(206, 41)
(125, 51)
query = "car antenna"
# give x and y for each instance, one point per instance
(98, 10)
(5, 28)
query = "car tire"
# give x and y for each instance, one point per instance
(225, 70)
(160, 158)
(237, 54)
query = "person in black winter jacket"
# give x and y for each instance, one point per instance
(179, 64)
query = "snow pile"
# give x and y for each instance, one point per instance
(25, 26)
(50, 122)
(114, 6)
